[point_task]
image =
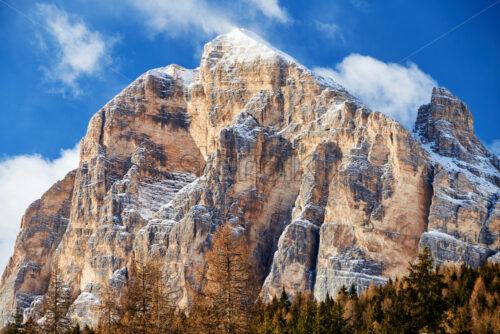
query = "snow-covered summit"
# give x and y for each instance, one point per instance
(242, 46)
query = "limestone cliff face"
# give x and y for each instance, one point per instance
(42, 227)
(465, 211)
(328, 191)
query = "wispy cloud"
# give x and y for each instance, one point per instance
(23, 179)
(78, 50)
(331, 30)
(271, 9)
(178, 16)
(181, 16)
(392, 89)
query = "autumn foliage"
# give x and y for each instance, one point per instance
(427, 300)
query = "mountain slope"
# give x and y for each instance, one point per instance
(328, 191)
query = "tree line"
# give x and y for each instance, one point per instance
(428, 299)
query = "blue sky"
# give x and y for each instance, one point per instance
(40, 115)
(60, 61)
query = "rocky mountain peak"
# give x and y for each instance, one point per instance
(446, 127)
(328, 192)
(447, 123)
(243, 46)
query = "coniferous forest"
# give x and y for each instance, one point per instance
(427, 300)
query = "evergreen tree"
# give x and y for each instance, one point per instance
(457, 322)
(307, 323)
(278, 324)
(423, 295)
(338, 322)
(284, 302)
(352, 292)
(57, 302)
(295, 311)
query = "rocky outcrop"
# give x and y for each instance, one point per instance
(328, 192)
(446, 125)
(447, 249)
(465, 183)
(42, 227)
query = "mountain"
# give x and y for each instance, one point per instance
(328, 191)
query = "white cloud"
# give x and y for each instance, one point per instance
(393, 89)
(331, 30)
(23, 179)
(179, 16)
(80, 51)
(494, 147)
(271, 9)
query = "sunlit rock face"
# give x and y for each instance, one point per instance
(465, 183)
(42, 227)
(328, 192)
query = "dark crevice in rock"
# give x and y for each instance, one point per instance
(430, 183)
(103, 123)
(177, 119)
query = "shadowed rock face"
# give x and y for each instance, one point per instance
(328, 192)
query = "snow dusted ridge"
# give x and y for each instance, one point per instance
(447, 249)
(152, 196)
(243, 46)
(175, 71)
(454, 165)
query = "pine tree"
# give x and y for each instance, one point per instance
(284, 302)
(338, 322)
(146, 306)
(323, 319)
(109, 309)
(423, 295)
(229, 289)
(295, 312)
(57, 302)
(307, 323)
(457, 322)
(201, 317)
(161, 312)
(352, 292)
(279, 323)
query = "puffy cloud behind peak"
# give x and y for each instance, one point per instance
(393, 89)
(24, 179)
